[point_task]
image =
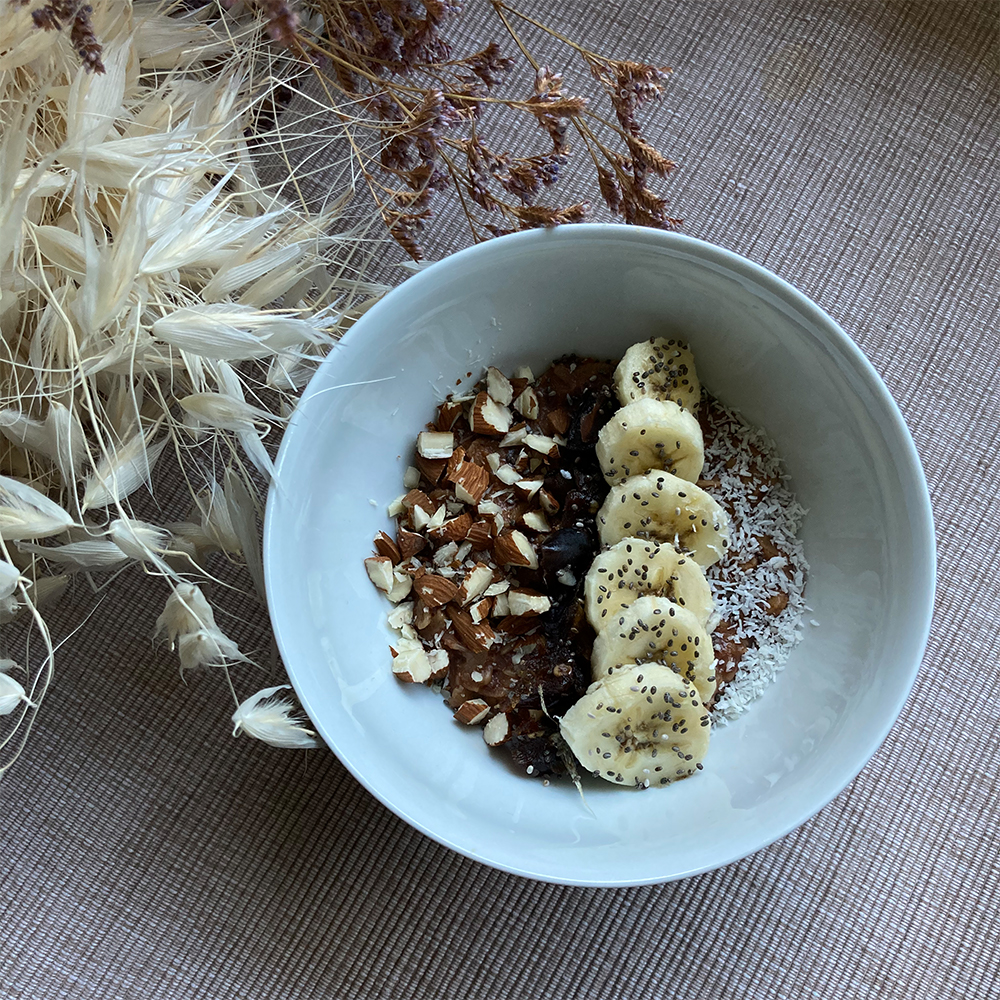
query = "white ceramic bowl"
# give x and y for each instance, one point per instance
(761, 347)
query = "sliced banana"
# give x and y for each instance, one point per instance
(651, 434)
(643, 725)
(663, 369)
(635, 568)
(655, 630)
(662, 506)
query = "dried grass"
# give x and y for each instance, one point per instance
(158, 304)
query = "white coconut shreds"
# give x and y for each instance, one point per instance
(759, 586)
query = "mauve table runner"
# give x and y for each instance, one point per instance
(850, 147)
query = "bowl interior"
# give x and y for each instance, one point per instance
(760, 347)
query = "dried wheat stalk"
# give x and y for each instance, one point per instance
(142, 266)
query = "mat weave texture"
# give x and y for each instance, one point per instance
(853, 148)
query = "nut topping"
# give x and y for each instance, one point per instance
(498, 386)
(379, 569)
(489, 417)
(472, 711)
(435, 590)
(385, 546)
(476, 637)
(497, 730)
(512, 548)
(435, 444)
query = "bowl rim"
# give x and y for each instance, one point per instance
(907, 463)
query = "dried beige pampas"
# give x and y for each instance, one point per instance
(158, 304)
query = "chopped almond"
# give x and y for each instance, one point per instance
(489, 417)
(480, 535)
(497, 730)
(409, 542)
(435, 590)
(385, 546)
(512, 548)
(475, 583)
(476, 637)
(435, 444)
(527, 602)
(498, 386)
(472, 711)
(431, 468)
(379, 569)
(527, 404)
(448, 413)
(452, 530)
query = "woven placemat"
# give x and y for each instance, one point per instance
(852, 147)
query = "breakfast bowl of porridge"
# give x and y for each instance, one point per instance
(600, 555)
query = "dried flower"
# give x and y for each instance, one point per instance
(186, 611)
(207, 647)
(267, 718)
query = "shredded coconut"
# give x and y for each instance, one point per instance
(764, 513)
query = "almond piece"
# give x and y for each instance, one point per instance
(385, 546)
(480, 610)
(549, 503)
(411, 477)
(409, 542)
(434, 590)
(415, 665)
(512, 548)
(445, 556)
(379, 569)
(508, 475)
(535, 520)
(431, 468)
(559, 420)
(470, 482)
(477, 638)
(435, 444)
(448, 413)
(777, 603)
(515, 437)
(422, 523)
(542, 444)
(401, 585)
(498, 386)
(529, 487)
(418, 498)
(480, 535)
(497, 730)
(472, 711)
(457, 458)
(453, 530)
(475, 583)
(489, 417)
(527, 404)
(527, 602)
(401, 614)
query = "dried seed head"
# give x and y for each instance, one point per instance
(270, 719)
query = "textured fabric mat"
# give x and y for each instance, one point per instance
(852, 147)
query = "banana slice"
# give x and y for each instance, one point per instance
(663, 369)
(642, 726)
(655, 630)
(651, 434)
(661, 506)
(635, 568)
